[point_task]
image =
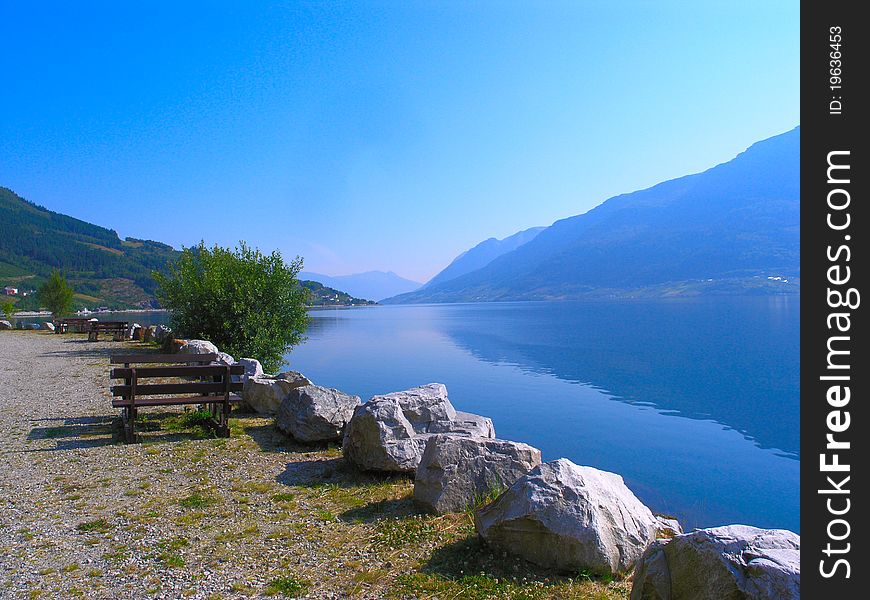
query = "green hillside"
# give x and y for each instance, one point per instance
(103, 269)
(327, 296)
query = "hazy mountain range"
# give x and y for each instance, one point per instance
(734, 228)
(373, 285)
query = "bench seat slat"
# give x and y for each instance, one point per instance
(122, 359)
(175, 400)
(176, 371)
(192, 387)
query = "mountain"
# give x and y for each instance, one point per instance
(732, 228)
(103, 269)
(483, 254)
(373, 285)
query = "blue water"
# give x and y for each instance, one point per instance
(694, 402)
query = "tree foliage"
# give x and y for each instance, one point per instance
(248, 303)
(8, 309)
(56, 295)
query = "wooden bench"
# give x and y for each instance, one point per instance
(118, 330)
(77, 325)
(215, 388)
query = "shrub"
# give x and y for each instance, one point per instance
(56, 295)
(247, 303)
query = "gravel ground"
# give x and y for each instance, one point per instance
(183, 515)
(175, 516)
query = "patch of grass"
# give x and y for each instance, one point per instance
(197, 500)
(325, 515)
(71, 567)
(372, 576)
(195, 422)
(98, 525)
(284, 497)
(288, 585)
(171, 559)
(254, 487)
(399, 533)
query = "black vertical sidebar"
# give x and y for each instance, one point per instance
(835, 433)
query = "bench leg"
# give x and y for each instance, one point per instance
(127, 417)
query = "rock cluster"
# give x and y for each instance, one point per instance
(557, 514)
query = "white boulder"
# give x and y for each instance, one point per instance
(389, 432)
(196, 347)
(264, 394)
(735, 561)
(567, 517)
(456, 471)
(311, 413)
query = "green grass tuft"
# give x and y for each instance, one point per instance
(288, 585)
(98, 525)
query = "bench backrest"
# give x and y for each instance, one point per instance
(129, 359)
(220, 375)
(214, 379)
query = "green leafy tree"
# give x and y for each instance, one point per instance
(56, 295)
(248, 303)
(8, 309)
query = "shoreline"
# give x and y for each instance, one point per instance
(182, 514)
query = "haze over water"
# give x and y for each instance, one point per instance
(695, 402)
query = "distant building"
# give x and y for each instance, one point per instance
(10, 291)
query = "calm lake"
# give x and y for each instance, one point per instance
(695, 402)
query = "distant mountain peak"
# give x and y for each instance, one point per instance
(483, 254)
(724, 230)
(371, 285)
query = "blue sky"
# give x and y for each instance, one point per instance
(377, 135)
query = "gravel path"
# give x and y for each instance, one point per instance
(175, 516)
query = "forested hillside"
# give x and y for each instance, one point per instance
(103, 269)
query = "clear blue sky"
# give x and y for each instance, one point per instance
(377, 135)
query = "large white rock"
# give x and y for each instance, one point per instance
(736, 561)
(464, 423)
(389, 432)
(456, 471)
(195, 346)
(380, 438)
(4, 324)
(315, 414)
(567, 517)
(225, 359)
(253, 368)
(47, 326)
(423, 405)
(264, 394)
